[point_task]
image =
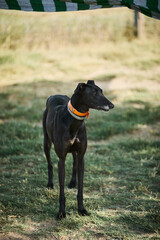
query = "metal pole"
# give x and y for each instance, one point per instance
(138, 24)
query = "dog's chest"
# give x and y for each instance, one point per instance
(73, 140)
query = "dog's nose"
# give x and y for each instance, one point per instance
(111, 106)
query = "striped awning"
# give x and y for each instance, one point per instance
(150, 8)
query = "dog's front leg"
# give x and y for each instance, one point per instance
(82, 211)
(72, 183)
(61, 174)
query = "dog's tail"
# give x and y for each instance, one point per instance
(45, 117)
(44, 121)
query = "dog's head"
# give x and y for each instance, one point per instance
(92, 96)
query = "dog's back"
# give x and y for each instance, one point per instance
(54, 103)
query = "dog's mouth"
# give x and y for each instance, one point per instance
(105, 108)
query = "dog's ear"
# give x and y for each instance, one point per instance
(91, 82)
(80, 87)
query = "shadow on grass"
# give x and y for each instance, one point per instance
(27, 101)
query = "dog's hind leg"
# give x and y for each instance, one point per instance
(61, 174)
(47, 148)
(72, 183)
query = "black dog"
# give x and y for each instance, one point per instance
(63, 125)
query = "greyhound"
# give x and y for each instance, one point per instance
(63, 125)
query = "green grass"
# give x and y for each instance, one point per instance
(122, 169)
(121, 184)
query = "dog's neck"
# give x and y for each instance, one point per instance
(76, 102)
(74, 123)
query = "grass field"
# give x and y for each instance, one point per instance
(122, 163)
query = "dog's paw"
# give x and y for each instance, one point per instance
(72, 184)
(50, 186)
(83, 212)
(61, 215)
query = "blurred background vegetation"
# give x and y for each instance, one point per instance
(21, 29)
(38, 45)
(30, 40)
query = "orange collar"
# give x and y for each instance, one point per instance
(76, 114)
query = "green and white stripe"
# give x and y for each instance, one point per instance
(150, 8)
(46, 5)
